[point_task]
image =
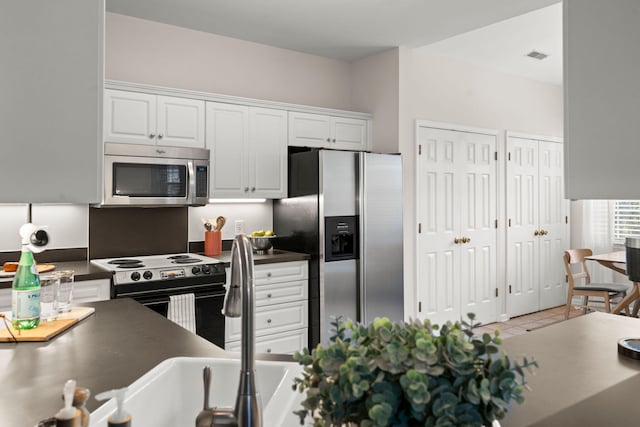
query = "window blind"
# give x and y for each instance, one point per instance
(626, 219)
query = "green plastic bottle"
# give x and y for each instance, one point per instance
(25, 296)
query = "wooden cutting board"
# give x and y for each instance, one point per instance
(46, 330)
(42, 268)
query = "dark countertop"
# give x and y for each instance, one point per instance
(581, 381)
(110, 349)
(275, 255)
(84, 270)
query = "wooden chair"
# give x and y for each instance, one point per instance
(606, 291)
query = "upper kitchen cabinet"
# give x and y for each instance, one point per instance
(142, 118)
(248, 147)
(602, 99)
(322, 131)
(51, 104)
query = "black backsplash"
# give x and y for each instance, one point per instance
(121, 232)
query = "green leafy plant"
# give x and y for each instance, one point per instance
(409, 374)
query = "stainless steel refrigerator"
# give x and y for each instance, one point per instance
(345, 210)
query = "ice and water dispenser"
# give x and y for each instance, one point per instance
(341, 238)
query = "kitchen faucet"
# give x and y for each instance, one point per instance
(240, 302)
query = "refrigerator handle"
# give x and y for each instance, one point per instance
(362, 225)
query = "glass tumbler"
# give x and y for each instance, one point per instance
(49, 285)
(65, 290)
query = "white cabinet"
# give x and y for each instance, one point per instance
(83, 291)
(457, 212)
(248, 151)
(341, 133)
(281, 315)
(537, 230)
(142, 118)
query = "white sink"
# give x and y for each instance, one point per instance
(171, 394)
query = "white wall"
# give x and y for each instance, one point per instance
(256, 216)
(143, 51)
(375, 89)
(440, 89)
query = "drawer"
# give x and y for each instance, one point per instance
(91, 290)
(271, 319)
(283, 343)
(281, 292)
(280, 272)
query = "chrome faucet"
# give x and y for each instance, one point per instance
(240, 302)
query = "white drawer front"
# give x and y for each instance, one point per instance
(5, 299)
(91, 290)
(283, 343)
(271, 319)
(280, 272)
(281, 292)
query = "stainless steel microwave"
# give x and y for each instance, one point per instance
(152, 175)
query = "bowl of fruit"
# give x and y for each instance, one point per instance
(261, 241)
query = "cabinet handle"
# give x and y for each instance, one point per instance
(269, 274)
(246, 189)
(456, 240)
(152, 135)
(334, 140)
(268, 295)
(268, 320)
(328, 139)
(253, 189)
(160, 136)
(160, 151)
(268, 350)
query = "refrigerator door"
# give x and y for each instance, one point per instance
(339, 293)
(381, 278)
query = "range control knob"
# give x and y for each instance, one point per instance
(206, 269)
(147, 275)
(135, 276)
(195, 270)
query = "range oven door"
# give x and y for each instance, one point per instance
(209, 319)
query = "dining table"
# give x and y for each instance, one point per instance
(617, 262)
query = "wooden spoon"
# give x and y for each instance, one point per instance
(220, 222)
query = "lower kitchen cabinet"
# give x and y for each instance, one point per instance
(83, 291)
(282, 309)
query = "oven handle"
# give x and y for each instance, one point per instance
(164, 299)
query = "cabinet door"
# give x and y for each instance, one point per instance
(349, 134)
(271, 319)
(279, 272)
(129, 117)
(522, 223)
(180, 122)
(552, 221)
(267, 153)
(227, 139)
(91, 290)
(309, 130)
(284, 343)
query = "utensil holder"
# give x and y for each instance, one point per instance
(212, 243)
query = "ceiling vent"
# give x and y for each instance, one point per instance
(537, 55)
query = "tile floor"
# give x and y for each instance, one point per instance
(521, 324)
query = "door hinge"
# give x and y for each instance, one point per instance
(509, 156)
(509, 288)
(496, 155)
(509, 222)
(419, 227)
(566, 278)
(496, 223)
(496, 292)
(566, 220)
(419, 149)
(419, 306)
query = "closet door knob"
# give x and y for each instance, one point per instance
(456, 240)
(536, 233)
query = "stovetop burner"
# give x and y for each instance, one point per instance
(124, 261)
(182, 256)
(131, 265)
(185, 260)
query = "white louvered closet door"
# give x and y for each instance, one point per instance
(456, 200)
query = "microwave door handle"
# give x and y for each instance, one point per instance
(191, 180)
